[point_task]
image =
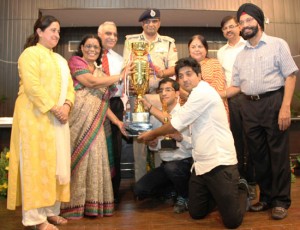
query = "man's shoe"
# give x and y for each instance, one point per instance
(279, 213)
(243, 185)
(259, 206)
(181, 205)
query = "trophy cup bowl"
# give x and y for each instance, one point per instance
(139, 119)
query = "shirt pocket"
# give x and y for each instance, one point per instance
(266, 65)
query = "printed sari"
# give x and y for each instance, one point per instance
(91, 188)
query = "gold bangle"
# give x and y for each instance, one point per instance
(68, 105)
(68, 102)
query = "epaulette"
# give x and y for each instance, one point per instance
(132, 36)
(167, 39)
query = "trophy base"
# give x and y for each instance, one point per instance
(168, 144)
(141, 117)
(134, 129)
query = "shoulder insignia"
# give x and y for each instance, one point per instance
(132, 36)
(167, 39)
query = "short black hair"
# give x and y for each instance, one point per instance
(174, 83)
(83, 41)
(188, 61)
(228, 18)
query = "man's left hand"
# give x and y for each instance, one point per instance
(284, 117)
(146, 136)
(176, 136)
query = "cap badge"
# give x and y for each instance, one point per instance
(152, 13)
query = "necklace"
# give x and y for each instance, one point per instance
(91, 68)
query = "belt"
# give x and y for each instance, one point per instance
(257, 97)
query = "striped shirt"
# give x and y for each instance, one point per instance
(263, 68)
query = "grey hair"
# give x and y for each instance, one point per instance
(100, 28)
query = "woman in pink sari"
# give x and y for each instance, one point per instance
(91, 188)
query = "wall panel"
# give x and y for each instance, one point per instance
(17, 18)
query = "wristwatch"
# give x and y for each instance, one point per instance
(120, 80)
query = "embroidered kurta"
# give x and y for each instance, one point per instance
(33, 133)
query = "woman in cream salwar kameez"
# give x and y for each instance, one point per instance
(39, 166)
(91, 188)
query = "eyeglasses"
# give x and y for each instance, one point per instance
(88, 47)
(248, 20)
(108, 33)
(148, 21)
(168, 90)
(229, 27)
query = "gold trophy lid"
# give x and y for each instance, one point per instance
(140, 48)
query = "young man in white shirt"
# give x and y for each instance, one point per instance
(215, 178)
(174, 171)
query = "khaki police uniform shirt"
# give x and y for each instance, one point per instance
(162, 52)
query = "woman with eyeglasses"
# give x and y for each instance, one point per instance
(211, 69)
(91, 188)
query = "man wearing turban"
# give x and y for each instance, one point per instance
(264, 71)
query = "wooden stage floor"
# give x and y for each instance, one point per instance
(153, 214)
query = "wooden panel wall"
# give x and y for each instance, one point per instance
(181, 36)
(18, 16)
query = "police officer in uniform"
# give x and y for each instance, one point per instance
(162, 58)
(162, 49)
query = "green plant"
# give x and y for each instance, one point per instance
(295, 104)
(298, 159)
(292, 165)
(4, 160)
(3, 98)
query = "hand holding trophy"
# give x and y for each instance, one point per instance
(139, 119)
(167, 143)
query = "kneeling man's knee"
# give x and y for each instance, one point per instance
(197, 215)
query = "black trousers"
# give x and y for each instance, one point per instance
(269, 148)
(218, 188)
(175, 174)
(117, 107)
(245, 164)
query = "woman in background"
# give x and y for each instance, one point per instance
(211, 70)
(39, 165)
(91, 188)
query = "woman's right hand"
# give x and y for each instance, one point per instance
(61, 113)
(128, 70)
